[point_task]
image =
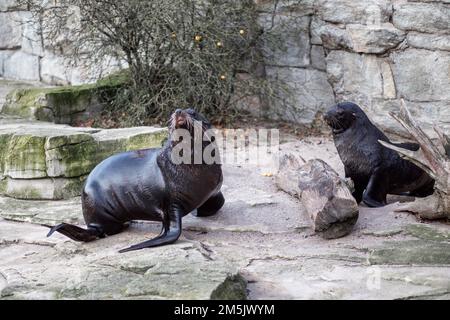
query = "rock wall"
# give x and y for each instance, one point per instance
(373, 52)
(26, 55)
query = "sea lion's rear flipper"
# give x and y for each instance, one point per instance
(376, 191)
(211, 206)
(77, 233)
(170, 233)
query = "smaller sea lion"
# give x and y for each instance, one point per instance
(375, 170)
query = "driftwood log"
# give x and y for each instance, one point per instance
(326, 197)
(434, 158)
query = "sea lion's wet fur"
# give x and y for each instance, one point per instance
(147, 185)
(375, 170)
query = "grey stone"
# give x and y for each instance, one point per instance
(422, 17)
(31, 39)
(315, 27)
(4, 55)
(429, 41)
(427, 115)
(361, 38)
(422, 75)
(10, 31)
(291, 47)
(21, 66)
(371, 12)
(310, 95)
(43, 189)
(318, 58)
(360, 77)
(298, 7)
(374, 39)
(334, 37)
(47, 161)
(54, 69)
(9, 5)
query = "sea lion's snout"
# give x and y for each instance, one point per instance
(180, 118)
(340, 117)
(332, 118)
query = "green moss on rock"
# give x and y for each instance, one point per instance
(425, 232)
(58, 104)
(413, 252)
(25, 157)
(233, 288)
(4, 142)
(145, 140)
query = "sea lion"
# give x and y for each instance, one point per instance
(375, 170)
(148, 185)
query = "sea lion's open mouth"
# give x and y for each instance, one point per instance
(180, 122)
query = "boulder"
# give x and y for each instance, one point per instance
(310, 94)
(422, 75)
(318, 58)
(422, 17)
(10, 31)
(349, 11)
(21, 65)
(356, 77)
(429, 41)
(42, 189)
(9, 5)
(333, 37)
(69, 104)
(291, 47)
(326, 197)
(361, 38)
(374, 38)
(48, 161)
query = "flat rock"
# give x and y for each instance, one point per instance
(47, 161)
(183, 272)
(266, 243)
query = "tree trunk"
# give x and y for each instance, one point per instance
(326, 197)
(434, 158)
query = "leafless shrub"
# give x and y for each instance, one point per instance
(202, 53)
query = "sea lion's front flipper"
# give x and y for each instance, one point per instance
(77, 233)
(211, 206)
(376, 191)
(170, 232)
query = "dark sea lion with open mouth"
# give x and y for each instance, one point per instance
(375, 170)
(148, 185)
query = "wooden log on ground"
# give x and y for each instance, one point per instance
(434, 158)
(326, 196)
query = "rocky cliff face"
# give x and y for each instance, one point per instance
(27, 55)
(373, 52)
